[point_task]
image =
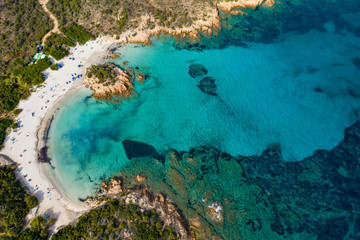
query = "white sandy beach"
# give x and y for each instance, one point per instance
(20, 145)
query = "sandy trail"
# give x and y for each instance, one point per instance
(56, 23)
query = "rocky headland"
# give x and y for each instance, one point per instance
(203, 27)
(109, 82)
(145, 199)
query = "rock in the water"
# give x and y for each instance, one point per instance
(130, 72)
(207, 85)
(356, 62)
(140, 77)
(195, 222)
(140, 178)
(112, 84)
(197, 70)
(134, 149)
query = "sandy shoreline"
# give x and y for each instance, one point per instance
(22, 145)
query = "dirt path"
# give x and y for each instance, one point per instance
(56, 24)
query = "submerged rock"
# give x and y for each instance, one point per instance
(140, 77)
(130, 71)
(261, 196)
(356, 62)
(135, 149)
(207, 85)
(140, 178)
(197, 70)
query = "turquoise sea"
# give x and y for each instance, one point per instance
(295, 94)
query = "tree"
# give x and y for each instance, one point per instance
(31, 201)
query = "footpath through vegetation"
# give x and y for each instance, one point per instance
(53, 18)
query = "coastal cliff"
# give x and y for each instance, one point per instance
(109, 82)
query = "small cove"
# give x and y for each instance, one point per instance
(298, 94)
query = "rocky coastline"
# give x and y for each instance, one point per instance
(226, 197)
(145, 199)
(119, 87)
(195, 33)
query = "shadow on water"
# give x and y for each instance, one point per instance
(135, 149)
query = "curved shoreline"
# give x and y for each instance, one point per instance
(23, 145)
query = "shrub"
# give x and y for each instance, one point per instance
(17, 111)
(31, 201)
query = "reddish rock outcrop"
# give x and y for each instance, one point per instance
(111, 89)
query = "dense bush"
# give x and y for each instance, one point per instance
(23, 24)
(10, 95)
(4, 124)
(17, 111)
(120, 15)
(12, 202)
(112, 220)
(58, 52)
(55, 45)
(77, 33)
(57, 40)
(31, 201)
(31, 74)
(54, 67)
(103, 72)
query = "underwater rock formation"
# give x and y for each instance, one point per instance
(356, 62)
(269, 20)
(197, 70)
(261, 196)
(140, 77)
(207, 85)
(135, 149)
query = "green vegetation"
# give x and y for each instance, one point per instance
(17, 111)
(120, 15)
(38, 229)
(57, 40)
(17, 85)
(77, 33)
(31, 201)
(14, 207)
(31, 74)
(55, 45)
(113, 220)
(104, 73)
(54, 67)
(11, 93)
(23, 24)
(123, 19)
(4, 124)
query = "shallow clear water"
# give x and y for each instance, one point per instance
(298, 94)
